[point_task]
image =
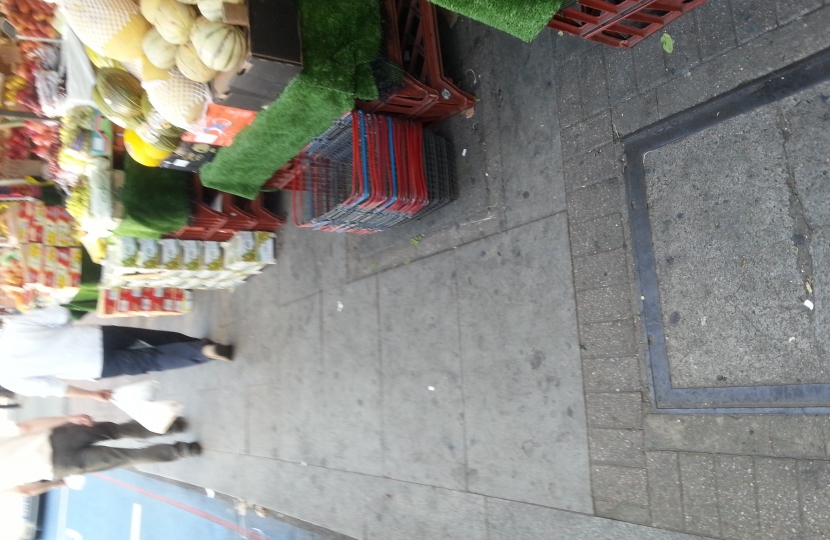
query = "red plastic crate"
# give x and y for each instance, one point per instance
(426, 96)
(619, 23)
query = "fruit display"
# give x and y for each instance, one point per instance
(220, 46)
(31, 18)
(112, 28)
(17, 145)
(12, 86)
(45, 138)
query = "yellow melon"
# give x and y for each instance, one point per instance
(126, 44)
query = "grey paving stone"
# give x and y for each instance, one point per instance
(530, 149)
(597, 200)
(736, 497)
(567, 47)
(620, 484)
(623, 512)
(221, 422)
(587, 135)
(619, 71)
(601, 234)
(814, 479)
(664, 490)
(716, 32)
(525, 416)
(649, 63)
(743, 435)
(349, 420)
(752, 18)
(611, 374)
(518, 521)
(593, 87)
(610, 338)
(694, 86)
(357, 505)
(600, 270)
(568, 88)
(778, 501)
(618, 410)
(686, 53)
(787, 10)
(298, 268)
(700, 494)
(423, 428)
(622, 447)
(587, 169)
(798, 436)
(608, 304)
(636, 113)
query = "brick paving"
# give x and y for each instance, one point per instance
(742, 477)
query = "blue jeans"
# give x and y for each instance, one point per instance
(167, 350)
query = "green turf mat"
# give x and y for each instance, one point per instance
(521, 18)
(156, 200)
(340, 39)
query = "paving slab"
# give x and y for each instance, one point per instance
(525, 413)
(423, 405)
(526, 522)
(725, 216)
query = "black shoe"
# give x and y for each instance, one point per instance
(179, 425)
(186, 450)
(217, 351)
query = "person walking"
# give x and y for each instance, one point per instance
(36, 456)
(41, 349)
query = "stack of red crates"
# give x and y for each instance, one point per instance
(619, 23)
(236, 214)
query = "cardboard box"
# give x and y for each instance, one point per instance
(34, 257)
(149, 254)
(190, 157)
(222, 125)
(274, 59)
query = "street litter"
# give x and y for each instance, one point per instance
(809, 304)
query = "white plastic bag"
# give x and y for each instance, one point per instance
(137, 401)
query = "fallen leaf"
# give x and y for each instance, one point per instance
(809, 287)
(668, 43)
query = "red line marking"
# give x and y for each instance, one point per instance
(233, 527)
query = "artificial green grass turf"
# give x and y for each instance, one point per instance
(156, 201)
(521, 18)
(340, 39)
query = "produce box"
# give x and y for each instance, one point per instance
(146, 302)
(190, 157)
(222, 125)
(248, 249)
(274, 59)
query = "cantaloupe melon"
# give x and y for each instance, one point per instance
(120, 91)
(174, 20)
(112, 28)
(179, 100)
(160, 52)
(191, 66)
(220, 46)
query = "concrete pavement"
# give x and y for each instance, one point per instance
(481, 374)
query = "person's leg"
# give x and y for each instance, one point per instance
(101, 458)
(156, 338)
(75, 436)
(161, 358)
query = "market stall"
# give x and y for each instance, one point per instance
(164, 126)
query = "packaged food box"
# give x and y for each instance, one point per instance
(38, 223)
(171, 254)
(222, 124)
(34, 263)
(190, 157)
(191, 255)
(152, 299)
(149, 254)
(52, 227)
(108, 301)
(123, 252)
(50, 267)
(249, 249)
(212, 256)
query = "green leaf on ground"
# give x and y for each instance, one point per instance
(668, 43)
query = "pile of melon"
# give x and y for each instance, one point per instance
(149, 137)
(172, 47)
(199, 46)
